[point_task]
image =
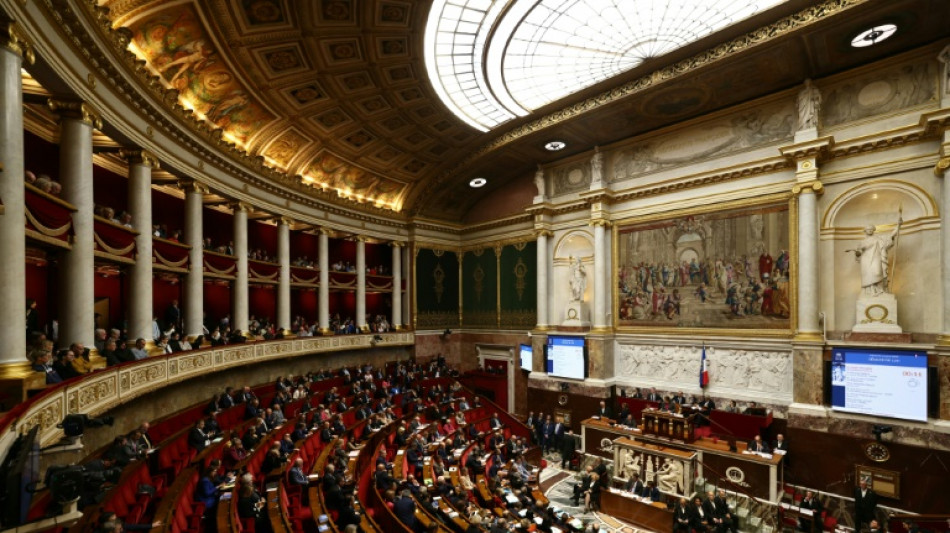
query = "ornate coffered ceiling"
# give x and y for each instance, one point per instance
(335, 91)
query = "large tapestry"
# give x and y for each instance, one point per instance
(437, 289)
(519, 293)
(724, 269)
(480, 288)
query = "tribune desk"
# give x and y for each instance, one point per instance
(760, 476)
(652, 516)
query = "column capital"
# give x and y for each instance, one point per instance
(13, 39)
(240, 206)
(285, 221)
(813, 186)
(190, 185)
(136, 156)
(942, 165)
(808, 149)
(75, 109)
(361, 238)
(543, 233)
(398, 244)
(601, 222)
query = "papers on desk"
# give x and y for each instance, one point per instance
(354, 453)
(226, 495)
(555, 529)
(538, 520)
(323, 527)
(779, 452)
(452, 469)
(400, 452)
(523, 513)
(313, 476)
(511, 498)
(576, 523)
(453, 514)
(596, 417)
(323, 519)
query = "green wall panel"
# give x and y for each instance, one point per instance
(437, 289)
(480, 288)
(519, 290)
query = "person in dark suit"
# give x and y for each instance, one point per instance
(810, 501)
(296, 475)
(650, 491)
(603, 411)
(865, 504)
(654, 396)
(699, 518)
(681, 517)
(197, 438)
(729, 521)
(581, 488)
(568, 448)
(206, 492)
(405, 510)
(634, 485)
(547, 432)
(758, 445)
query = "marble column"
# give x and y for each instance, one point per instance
(361, 284)
(77, 268)
(397, 285)
(141, 164)
(240, 293)
(13, 267)
(323, 299)
(542, 280)
(808, 327)
(283, 288)
(600, 278)
(940, 170)
(194, 237)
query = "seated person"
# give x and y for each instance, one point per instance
(758, 445)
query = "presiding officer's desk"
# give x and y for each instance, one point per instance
(760, 476)
(652, 516)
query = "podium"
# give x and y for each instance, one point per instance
(681, 428)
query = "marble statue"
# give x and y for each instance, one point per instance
(871, 253)
(539, 181)
(670, 477)
(578, 279)
(809, 104)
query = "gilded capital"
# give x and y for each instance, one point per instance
(76, 110)
(941, 167)
(285, 221)
(600, 222)
(240, 206)
(397, 244)
(190, 185)
(813, 186)
(325, 231)
(544, 233)
(12, 38)
(140, 157)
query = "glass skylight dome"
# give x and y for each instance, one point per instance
(494, 60)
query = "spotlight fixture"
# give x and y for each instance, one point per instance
(477, 182)
(872, 36)
(554, 146)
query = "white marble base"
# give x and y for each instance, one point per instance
(876, 314)
(576, 314)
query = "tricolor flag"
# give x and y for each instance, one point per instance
(704, 370)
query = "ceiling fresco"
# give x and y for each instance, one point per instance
(334, 93)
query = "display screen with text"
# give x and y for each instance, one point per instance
(879, 382)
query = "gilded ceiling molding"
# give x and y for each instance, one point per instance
(73, 29)
(724, 51)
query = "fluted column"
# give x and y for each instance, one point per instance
(361, 283)
(542, 279)
(194, 237)
(323, 299)
(808, 327)
(940, 170)
(283, 288)
(77, 269)
(141, 164)
(13, 266)
(600, 274)
(397, 285)
(239, 294)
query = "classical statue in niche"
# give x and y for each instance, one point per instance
(871, 253)
(539, 181)
(809, 104)
(578, 279)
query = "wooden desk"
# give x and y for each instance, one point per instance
(650, 516)
(670, 426)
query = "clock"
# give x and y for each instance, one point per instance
(562, 399)
(877, 452)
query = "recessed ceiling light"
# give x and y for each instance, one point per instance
(554, 146)
(872, 36)
(477, 182)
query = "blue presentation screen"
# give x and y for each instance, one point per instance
(879, 382)
(566, 357)
(526, 356)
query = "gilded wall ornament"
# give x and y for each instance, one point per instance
(438, 275)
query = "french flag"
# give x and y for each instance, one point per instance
(704, 370)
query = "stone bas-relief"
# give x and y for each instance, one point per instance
(719, 270)
(669, 474)
(768, 372)
(881, 92)
(758, 127)
(570, 178)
